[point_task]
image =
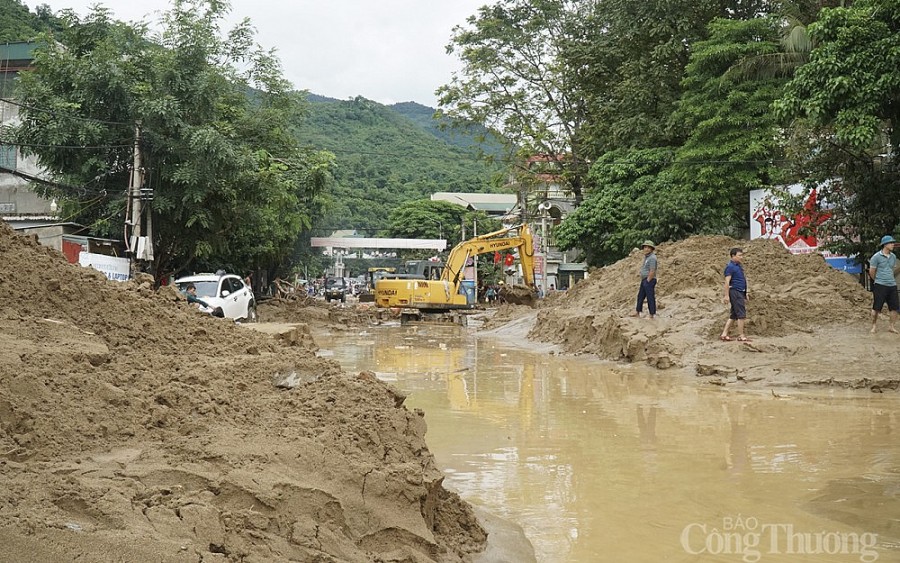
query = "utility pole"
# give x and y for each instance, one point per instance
(133, 219)
(139, 241)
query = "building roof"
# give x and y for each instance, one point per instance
(16, 55)
(23, 222)
(490, 203)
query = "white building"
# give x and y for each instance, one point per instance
(19, 205)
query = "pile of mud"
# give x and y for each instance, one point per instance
(502, 315)
(133, 428)
(336, 316)
(517, 295)
(789, 295)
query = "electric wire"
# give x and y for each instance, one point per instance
(85, 147)
(57, 113)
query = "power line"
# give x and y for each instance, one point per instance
(91, 147)
(57, 113)
(37, 180)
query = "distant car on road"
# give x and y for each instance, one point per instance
(336, 288)
(227, 291)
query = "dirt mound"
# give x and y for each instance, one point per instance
(134, 428)
(788, 294)
(503, 314)
(517, 295)
(333, 316)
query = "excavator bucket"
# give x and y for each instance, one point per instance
(518, 295)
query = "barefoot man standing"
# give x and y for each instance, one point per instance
(883, 269)
(736, 295)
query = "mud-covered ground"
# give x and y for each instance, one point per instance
(133, 428)
(809, 324)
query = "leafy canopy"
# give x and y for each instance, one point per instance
(231, 187)
(438, 219)
(728, 141)
(517, 80)
(843, 107)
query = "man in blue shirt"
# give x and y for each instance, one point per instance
(883, 269)
(736, 295)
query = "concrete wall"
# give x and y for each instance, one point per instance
(48, 236)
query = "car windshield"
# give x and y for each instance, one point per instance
(334, 283)
(204, 288)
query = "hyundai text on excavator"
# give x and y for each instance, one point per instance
(421, 299)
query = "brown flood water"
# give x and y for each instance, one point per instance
(603, 462)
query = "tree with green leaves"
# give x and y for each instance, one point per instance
(437, 219)
(639, 200)
(844, 111)
(230, 185)
(730, 146)
(731, 140)
(518, 80)
(632, 66)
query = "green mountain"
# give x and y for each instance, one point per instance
(387, 155)
(17, 23)
(474, 137)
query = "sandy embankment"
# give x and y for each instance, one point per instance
(808, 322)
(134, 429)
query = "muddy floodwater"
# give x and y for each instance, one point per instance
(603, 462)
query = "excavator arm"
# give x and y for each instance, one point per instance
(492, 242)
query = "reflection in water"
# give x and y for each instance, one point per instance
(599, 462)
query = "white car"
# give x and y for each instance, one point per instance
(223, 290)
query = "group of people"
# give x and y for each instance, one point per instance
(883, 270)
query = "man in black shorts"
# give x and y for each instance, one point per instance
(736, 295)
(883, 268)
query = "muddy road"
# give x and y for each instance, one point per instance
(605, 462)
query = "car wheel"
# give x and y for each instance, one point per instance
(343, 298)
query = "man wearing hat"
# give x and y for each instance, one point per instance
(882, 269)
(648, 280)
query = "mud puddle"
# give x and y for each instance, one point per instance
(599, 462)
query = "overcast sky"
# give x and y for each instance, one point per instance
(385, 50)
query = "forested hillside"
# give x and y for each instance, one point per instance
(387, 155)
(17, 23)
(473, 136)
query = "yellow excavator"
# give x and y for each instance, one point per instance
(418, 298)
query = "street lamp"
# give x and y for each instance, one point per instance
(440, 228)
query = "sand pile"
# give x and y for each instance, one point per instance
(789, 295)
(517, 295)
(502, 315)
(336, 316)
(134, 428)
